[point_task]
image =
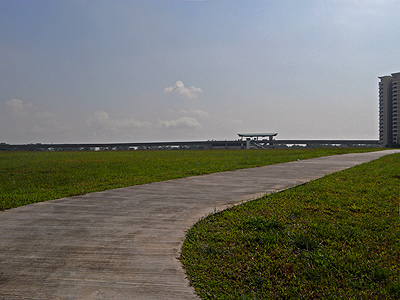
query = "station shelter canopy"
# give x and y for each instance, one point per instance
(256, 136)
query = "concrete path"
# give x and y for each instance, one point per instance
(124, 243)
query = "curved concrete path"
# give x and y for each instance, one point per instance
(124, 243)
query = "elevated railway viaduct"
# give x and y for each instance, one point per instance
(210, 144)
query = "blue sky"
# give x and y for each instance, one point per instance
(129, 71)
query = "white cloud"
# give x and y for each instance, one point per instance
(101, 120)
(197, 112)
(28, 113)
(184, 122)
(23, 122)
(201, 113)
(179, 88)
(16, 112)
(17, 107)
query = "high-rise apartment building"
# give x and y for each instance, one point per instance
(389, 110)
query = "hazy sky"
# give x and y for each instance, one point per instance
(128, 71)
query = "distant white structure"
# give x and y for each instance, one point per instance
(256, 136)
(389, 110)
(259, 139)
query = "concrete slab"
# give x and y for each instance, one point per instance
(124, 243)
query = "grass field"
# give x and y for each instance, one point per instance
(28, 177)
(333, 238)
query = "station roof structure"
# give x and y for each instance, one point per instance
(257, 134)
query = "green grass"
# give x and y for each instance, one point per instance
(334, 238)
(29, 177)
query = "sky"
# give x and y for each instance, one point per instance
(100, 71)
